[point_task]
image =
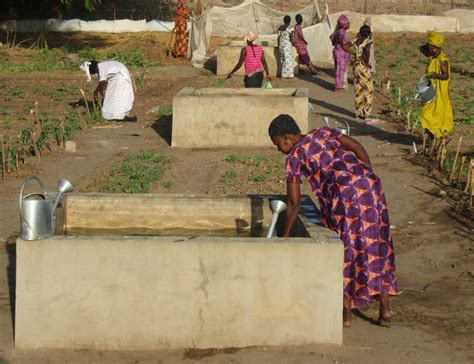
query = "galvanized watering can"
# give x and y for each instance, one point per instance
(37, 210)
(344, 130)
(425, 92)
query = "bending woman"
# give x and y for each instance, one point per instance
(352, 203)
(253, 59)
(115, 87)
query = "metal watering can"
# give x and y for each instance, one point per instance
(37, 210)
(425, 92)
(345, 131)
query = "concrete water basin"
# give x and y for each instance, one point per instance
(192, 290)
(224, 117)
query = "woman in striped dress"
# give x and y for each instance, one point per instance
(253, 59)
(363, 77)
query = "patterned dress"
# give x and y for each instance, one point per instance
(301, 47)
(352, 204)
(180, 48)
(363, 81)
(341, 57)
(287, 56)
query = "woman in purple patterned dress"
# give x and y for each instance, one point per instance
(352, 204)
(341, 51)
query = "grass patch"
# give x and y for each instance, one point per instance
(244, 173)
(136, 174)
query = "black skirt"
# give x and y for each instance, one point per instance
(254, 81)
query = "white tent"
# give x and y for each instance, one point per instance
(252, 15)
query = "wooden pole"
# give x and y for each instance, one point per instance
(463, 161)
(424, 141)
(3, 161)
(444, 150)
(468, 182)
(453, 170)
(408, 120)
(472, 181)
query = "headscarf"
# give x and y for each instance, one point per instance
(180, 7)
(85, 68)
(250, 37)
(435, 39)
(343, 20)
(283, 124)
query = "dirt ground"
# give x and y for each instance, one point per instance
(434, 247)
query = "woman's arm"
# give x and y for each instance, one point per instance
(355, 147)
(243, 53)
(264, 63)
(444, 75)
(345, 46)
(100, 89)
(294, 203)
(366, 54)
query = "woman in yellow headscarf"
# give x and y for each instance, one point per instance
(437, 116)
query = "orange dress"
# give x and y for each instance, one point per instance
(180, 48)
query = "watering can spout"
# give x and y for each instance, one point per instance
(277, 206)
(64, 186)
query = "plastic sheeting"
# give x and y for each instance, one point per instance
(76, 25)
(252, 15)
(400, 23)
(465, 19)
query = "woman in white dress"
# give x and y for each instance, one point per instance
(115, 87)
(286, 48)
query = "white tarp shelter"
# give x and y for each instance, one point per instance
(252, 15)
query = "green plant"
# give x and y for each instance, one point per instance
(165, 110)
(132, 57)
(140, 80)
(136, 174)
(229, 178)
(167, 184)
(88, 54)
(4, 111)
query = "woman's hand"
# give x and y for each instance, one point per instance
(294, 203)
(229, 76)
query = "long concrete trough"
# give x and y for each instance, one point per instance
(226, 117)
(157, 292)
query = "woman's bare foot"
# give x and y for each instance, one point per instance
(385, 315)
(346, 313)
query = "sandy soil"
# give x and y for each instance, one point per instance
(434, 247)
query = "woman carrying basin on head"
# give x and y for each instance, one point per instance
(253, 59)
(352, 203)
(437, 116)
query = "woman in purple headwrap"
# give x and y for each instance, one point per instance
(341, 51)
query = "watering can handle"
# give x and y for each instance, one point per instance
(348, 128)
(24, 185)
(424, 77)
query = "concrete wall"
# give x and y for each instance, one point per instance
(177, 292)
(144, 293)
(233, 117)
(228, 55)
